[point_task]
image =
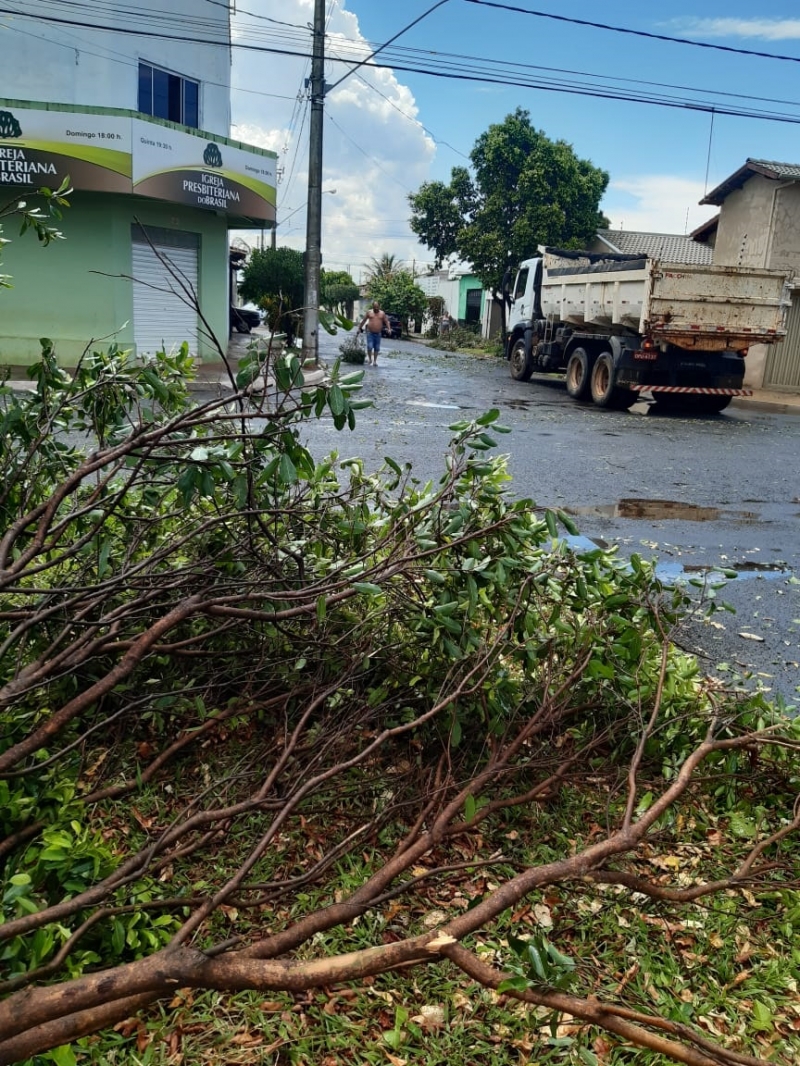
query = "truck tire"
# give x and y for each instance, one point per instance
(521, 361)
(605, 391)
(579, 375)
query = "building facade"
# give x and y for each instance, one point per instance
(134, 111)
(759, 225)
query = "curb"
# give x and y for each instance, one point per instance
(768, 406)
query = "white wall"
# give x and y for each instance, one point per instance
(71, 64)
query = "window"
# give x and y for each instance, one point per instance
(522, 281)
(166, 95)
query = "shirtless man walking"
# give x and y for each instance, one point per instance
(375, 320)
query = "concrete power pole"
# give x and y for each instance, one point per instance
(314, 214)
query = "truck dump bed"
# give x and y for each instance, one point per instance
(689, 305)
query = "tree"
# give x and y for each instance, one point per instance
(397, 292)
(244, 703)
(276, 724)
(339, 291)
(274, 278)
(524, 190)
(383, 268)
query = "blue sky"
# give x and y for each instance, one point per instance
(387, 131)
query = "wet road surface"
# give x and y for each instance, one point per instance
(692, 493)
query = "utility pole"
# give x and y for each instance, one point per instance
(314, 214)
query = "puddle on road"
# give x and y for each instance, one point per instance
(440, 406)
(670, 572)
(654, 510)
(749, 566)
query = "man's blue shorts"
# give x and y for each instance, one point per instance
(373, 342)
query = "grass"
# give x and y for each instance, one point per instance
(466, 342)
(727, 964)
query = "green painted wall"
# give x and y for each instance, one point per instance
(79, 289)
(465, 285)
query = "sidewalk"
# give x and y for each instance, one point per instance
(778, 403)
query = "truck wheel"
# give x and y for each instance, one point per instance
(605, 391)
(579, 375)
(521, 361)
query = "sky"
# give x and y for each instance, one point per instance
(444, 82)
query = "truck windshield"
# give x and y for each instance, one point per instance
(521, 284)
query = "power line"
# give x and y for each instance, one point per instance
(391, 40)
(405, 115)
(634, 33)
(366, 155)
(119, 57)
(520, 82)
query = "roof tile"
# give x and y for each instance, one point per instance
(669, 247)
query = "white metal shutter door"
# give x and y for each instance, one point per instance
(161, 318)
(783, 362)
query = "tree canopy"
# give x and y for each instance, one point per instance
(384, 266)
(338, 290)
(277, 724)
(398, 292)
(523, 190)
(276, 274)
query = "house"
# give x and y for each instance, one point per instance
(759, 226)
(139, 124)
(666, 246)
(463, 294)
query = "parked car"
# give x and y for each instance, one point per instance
(395, 329)
(243, 319)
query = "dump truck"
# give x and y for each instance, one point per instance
(619, 326)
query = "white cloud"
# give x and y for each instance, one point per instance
(765, 29)
(655, 203)
(375, 150)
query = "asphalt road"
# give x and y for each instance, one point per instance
(692, 493)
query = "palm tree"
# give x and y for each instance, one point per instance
(385, 267)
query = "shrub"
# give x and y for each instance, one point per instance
(353, 349)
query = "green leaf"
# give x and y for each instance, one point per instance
(367, 588)
(567, 523)
(435, 577)
(446, 609)
(550, 519)
(63, 1056)
(287, 471)
(488, 418)
(742, 826)
(336, 401)
(513, 984)
(762, 1017)
(470, 808)
(102, 558)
